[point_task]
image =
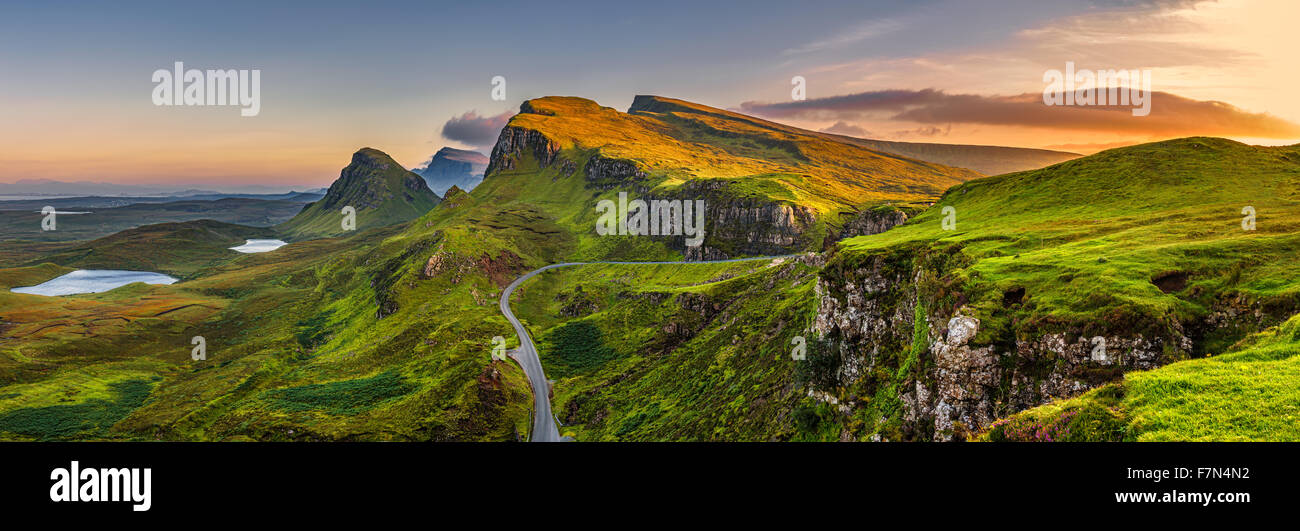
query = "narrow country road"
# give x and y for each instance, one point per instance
(544, 426)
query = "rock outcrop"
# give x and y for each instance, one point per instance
(970, 376)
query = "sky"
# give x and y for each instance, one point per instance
(411, 77)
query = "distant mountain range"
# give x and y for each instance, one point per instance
(453, 167)
(50, 187)
(34, 203)
(989, 160)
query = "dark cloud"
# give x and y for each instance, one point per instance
(1170, 114)
(475, 130)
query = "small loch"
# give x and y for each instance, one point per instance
(93, 281)
(260, 246)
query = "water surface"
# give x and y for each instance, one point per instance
(93, 281)
(260, 246)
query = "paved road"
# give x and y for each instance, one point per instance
(544, 427)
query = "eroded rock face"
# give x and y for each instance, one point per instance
(500, 269)
(870, 311)
(515, 142)
(606, 173)
(867, 222)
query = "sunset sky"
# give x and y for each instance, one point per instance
(409, 78)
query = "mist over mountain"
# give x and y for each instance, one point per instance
(453, 167)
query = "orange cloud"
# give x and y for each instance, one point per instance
(1171, 115)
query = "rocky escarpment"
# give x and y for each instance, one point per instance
(517, 142)
(902, 332)
(606, 173)
(868, 221)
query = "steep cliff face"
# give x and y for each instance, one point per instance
(869, 221)
(901, 332)
(515, 142)
(767, 188)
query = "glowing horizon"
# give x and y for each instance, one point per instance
(79, 108)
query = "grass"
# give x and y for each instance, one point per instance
(180, 249)
(681, 141)
(347, 397)
(90, 419)
(381, 191)
(1246, 394)
(697, 352)
(1085, 238)
(575, 347)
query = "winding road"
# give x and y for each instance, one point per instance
(544, 425)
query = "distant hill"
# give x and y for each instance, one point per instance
(454, 167)
(179, 249)
(113, 201)
(25, 222)
(382, 192)
(989, 160)
(39, 187)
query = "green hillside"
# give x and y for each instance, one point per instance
(1248, 393)
(1140, 246)
(767, 188)
(385, 333)
(179, 249)
(1092, 238)
(377, 187)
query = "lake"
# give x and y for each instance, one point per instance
(260, 246)
(93, 281)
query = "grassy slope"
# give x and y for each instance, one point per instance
(989, 160)
(296, 351)
(1085, 238)
(1246, 394)
(381, 190)
(18, 226)
(678, 141)
(180, 249)
(658, 352)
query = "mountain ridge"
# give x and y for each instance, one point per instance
(449, 167)
(380, 190)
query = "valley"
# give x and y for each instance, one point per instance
(933, 303)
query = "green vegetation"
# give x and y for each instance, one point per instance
(576, 346)
(384, 333)
(347, 397)
(23, 227)
(180, 249)
(1246, 394)
(89, 419)
(699, 351)
(1087, 239)
(382, 192)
